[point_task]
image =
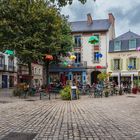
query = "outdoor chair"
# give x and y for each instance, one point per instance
(91, 92)
(98, 93)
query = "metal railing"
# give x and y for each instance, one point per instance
(74, 65)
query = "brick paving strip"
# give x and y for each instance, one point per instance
(113, 118)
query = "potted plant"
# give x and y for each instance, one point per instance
(106, 91)
(135, 88)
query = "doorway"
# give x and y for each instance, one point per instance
(94, 75)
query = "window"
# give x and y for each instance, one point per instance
(38, 71)
(77, 40)
(132, 62)
(1, 61)
(78, 57)
(132, 44)
(117, 46)
(35, 70)
(11, 62)
(96, 59)
(116, 64)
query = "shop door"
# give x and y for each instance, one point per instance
(11, 81)
(4, 81)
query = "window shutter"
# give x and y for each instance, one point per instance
(112, 64)
(121, 64)
(137, 63)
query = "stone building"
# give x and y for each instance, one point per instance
(124, 59)
(85, 66)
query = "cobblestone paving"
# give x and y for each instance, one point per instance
(113, 118)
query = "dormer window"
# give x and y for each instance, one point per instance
(117, 46)
(132, 44)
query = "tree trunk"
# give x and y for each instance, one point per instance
(47, 77)
(30, 74)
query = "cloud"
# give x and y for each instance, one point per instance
(126, 13)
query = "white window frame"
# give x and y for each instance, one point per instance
(134, 48)
(117, 46)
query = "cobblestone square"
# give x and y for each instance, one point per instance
(113, 118)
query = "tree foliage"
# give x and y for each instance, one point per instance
(33, 29)
(61, 3)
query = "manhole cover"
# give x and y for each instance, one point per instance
(131, 96)
(4, 102)
(19, 136)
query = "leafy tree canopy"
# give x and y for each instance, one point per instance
(65, 2)
(32, 29)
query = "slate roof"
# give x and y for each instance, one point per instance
(97, 25)
(128, 35)
(124, 38)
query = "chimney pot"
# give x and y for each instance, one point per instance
(89, 19)
(111, 18)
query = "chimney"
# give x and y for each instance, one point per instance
(111, 18)
(89, 19)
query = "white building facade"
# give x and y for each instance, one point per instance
(85, 52)
(8, 71)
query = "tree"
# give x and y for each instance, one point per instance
(62, 3)
(33, 29)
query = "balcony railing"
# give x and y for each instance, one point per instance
(74, 65)
(12, 68)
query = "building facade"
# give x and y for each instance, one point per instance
(8, 71)
(85, 66)
(124, 59)
(104, 29)
(37, 70)
(37, 74)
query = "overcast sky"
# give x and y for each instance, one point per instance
(126, 12)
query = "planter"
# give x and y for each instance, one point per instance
(134, 90)
(106, 94)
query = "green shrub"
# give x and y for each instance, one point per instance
(66, 93)
(17, 92)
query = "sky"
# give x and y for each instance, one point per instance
(126, 13)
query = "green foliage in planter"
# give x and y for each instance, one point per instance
(103, 76)
(66, 93)
(106, 91)
(17, 92)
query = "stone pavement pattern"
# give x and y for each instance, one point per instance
(113, 118)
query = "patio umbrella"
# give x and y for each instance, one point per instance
(65, 63)
(48, 57)
(130, 67)
(99, 67)
(138, 49)
(10, 52)
(93, 40)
